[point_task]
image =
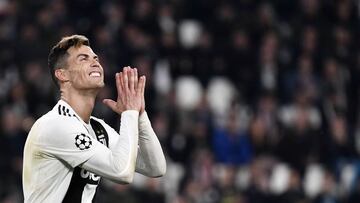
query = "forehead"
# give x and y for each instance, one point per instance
(74, 51)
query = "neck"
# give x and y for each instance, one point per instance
(81, 102)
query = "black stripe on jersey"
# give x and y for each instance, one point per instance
(80, 176)
(59, 109)
(100, 132)
(79, 179)
(63, 111)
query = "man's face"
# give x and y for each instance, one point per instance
(85, 71)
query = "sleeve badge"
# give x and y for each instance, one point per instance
(83, 141)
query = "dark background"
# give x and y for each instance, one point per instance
(253, 101)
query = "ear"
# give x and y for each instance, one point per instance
(61, 75)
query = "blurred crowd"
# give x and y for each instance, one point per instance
(253, 101)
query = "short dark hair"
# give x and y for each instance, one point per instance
(58, 54)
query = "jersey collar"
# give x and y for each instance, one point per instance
(65, 109)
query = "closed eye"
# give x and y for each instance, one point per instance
(85, 57)
(82, 57)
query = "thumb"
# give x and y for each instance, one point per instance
(111, 104)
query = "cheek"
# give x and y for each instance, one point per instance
(78, 76)
(83, 77)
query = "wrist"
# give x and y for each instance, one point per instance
(144, 121)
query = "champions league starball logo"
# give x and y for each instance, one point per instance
(82, 141)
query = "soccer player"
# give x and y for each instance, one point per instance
(68, 150)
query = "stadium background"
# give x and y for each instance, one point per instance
(253, 101)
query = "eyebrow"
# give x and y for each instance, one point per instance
(87, 56)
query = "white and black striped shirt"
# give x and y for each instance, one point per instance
(64, 157)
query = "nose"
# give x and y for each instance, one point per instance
(95, 63)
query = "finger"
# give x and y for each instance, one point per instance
(141, 86)
(126, 80)
(125, 72)
(121, 79)
(129, 71)
(110, 103)
(132, 80)
(136, 78)
(121, 91)
(118, 84)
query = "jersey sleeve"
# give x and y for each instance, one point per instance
(67, 141)
(118, 162)
(150, 158)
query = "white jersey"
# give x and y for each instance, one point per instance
(60, 145)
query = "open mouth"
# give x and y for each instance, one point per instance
(95, 74)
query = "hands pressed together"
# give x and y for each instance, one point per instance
(130, 89)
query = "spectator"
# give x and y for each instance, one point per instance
(230, 143)
(294, 65)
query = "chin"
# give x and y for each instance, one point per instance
(100, 85)
(95, 86)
